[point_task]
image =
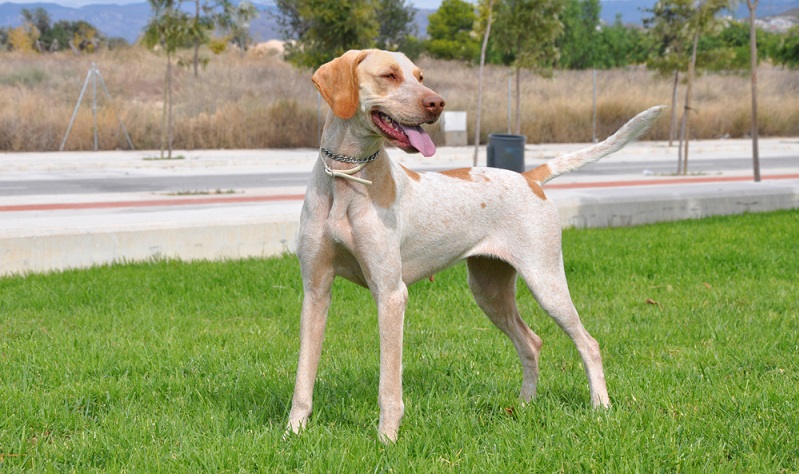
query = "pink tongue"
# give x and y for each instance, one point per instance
(420, 139)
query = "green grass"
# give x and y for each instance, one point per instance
(186, 367)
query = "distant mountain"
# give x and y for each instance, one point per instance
(633, 11)
(127, 21)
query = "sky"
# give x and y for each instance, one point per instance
(428, 4)
(424, 4)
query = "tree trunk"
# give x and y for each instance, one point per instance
(196, 41)
(753, 53)
(169, 104)
(480, 83)
(164, 111)
(684, 133)
(673, 126)
(518, 101)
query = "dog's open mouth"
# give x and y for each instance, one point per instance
(411, 138)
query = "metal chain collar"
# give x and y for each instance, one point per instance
(349, 159)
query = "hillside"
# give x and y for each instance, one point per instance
(127, 21)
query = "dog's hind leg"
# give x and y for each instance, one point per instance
(547, 281)
(493, 284)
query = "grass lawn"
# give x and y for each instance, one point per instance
(186, 367)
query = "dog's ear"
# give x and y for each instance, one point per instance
(338, 83)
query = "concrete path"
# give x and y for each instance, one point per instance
(47, 231)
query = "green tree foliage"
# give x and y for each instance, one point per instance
(578, 43)
(169, 28)
(235, 20)
(80, 36)
(321, 30)
(450, 31)
(618, 45)
(5, 45)
(786, 51)
(526, 32)
(669, 35)
(396, 24)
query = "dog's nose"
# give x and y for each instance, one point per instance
(434, 103)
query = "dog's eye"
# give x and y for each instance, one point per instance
(390, 76)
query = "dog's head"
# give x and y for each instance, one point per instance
(387, 88)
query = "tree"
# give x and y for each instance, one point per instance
(450, 31)
(489, 9)
(577, 44)
(236, 21)
(703, 19)
(752, 5)
(170, 28)
(321, 30)
(201, 27)
(81, 36)
(526, 31)
(21, 39)
(38, 21)
(395, 18)
(618, 46)
(668, 28)
(786, 53)
(4, 44)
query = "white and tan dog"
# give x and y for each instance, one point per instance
(382, 226)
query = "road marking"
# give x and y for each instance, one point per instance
(296, 179)
(188, 201)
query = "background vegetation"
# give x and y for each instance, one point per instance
(178, 367)
(237, 96)
(260, 101)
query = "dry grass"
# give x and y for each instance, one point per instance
(258, 101)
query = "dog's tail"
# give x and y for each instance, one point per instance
(575, 160)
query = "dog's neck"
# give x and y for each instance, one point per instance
(352, 139)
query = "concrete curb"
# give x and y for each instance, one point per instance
(43, 233)
(243, 237)
(672, 203)
(235, 240)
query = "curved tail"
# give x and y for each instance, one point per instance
(575, 160)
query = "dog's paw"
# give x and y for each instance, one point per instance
(295, 427)
(388, 436)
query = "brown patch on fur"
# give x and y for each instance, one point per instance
(483, 205)
(459, 173)
(412, 174)
(538, 174)
(534, 178)
(535, 187)
(337, 81)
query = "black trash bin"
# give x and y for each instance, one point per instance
(506, 151)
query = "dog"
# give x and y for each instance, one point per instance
(380, 225)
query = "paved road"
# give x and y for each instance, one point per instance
(113, 183)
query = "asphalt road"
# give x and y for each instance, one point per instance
(232, 182)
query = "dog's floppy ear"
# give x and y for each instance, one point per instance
(338, 83)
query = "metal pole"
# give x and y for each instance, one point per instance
(94, 102)
(75, 112)
(509, 101)
(593, 106)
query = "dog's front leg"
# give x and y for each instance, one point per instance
(317, 280)
(379, 256)
(391, 301)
